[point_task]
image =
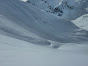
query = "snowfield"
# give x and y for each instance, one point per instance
(30, 36)
(14, 52)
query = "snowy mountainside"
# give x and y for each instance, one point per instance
(26, 22)
(82, 22)
(69, 9)
(32, 37)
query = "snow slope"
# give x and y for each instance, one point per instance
(79, 9)
(27, 35)
(30, 24)
(69, 9)
(14, 52)
(82, 22)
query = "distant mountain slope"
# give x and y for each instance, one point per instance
(69, 9)
(26, 22)
(82, 22)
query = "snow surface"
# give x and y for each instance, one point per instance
(78, 7)
(82, 22)
(14, 52)
(32, 37)
(35, 26)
